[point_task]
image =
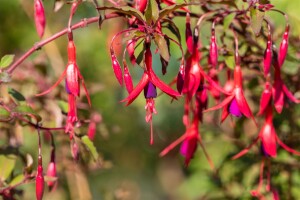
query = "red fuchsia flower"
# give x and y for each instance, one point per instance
(280, 91)
(189, 140)
(39, 17)
(72, 77)
(127, 78)
(284, 46)
(141, 5)
(235, 104)
(148, 83)
(39, 180)
(268, 137)
(149, 76)
(96, 118)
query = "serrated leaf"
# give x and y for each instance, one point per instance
(169, 9)
(162, 46)
(90, 145)
(151, 13)
(5, 77)
(6, 60)
(16, 95)
(229, 60)
(125, 10)
(227, 20)
(7, 164)
(16, 180)
(63, 106)
(257, 18)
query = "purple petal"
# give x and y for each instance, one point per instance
(234, 109)
(150, 91)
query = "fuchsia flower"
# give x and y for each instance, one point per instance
(149, 76)
(189, 140)
(72, 77)
(148, 83)
(280, 91)
(188, 34)
(235, 103)
(268, 137)
(213, 49)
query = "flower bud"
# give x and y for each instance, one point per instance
(284, 46)
(39, 180)
(39, 17)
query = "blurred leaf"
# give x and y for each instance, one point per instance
(125, 10)
(140, 58)
(16, 95)
(228, 20)
(28, 111)
(58, 4)
(151, 12)
(16, 180)
(257, 18)
(169, 9)
(229, 60)
(63, 106)
(5, 77)
(6, 60)
(7, 164)
(4, 114)
(90, 145)
(50, 178)
(162, 46)
(29, 163)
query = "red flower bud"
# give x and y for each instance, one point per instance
(284, 46)
(116, 67)
(268, 56)
(213, 50)
(39, 180)
(39, 17)
(127, 78)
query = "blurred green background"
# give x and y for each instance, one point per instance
(131, 168)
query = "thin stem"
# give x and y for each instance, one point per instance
(42, 43)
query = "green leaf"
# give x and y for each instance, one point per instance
(140, 58)
(125, 10)
(6, 60)
(162, 46)
(29, 163)
(18, 179)
(169, 9)
(174, 29)
(151, 13)
(63, 106)
(229, 61)
(257, 18)
(28, 111)
(16, 95)
(4, 114)
(89, 144)
(7, 164)
(227, 20)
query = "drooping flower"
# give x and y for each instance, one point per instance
(268, 138)
(150, 94)
(235, 103)
(284, 46)
(72, 75)
(189, 140)
(213, 49)
(149, 76)
(51, 171)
